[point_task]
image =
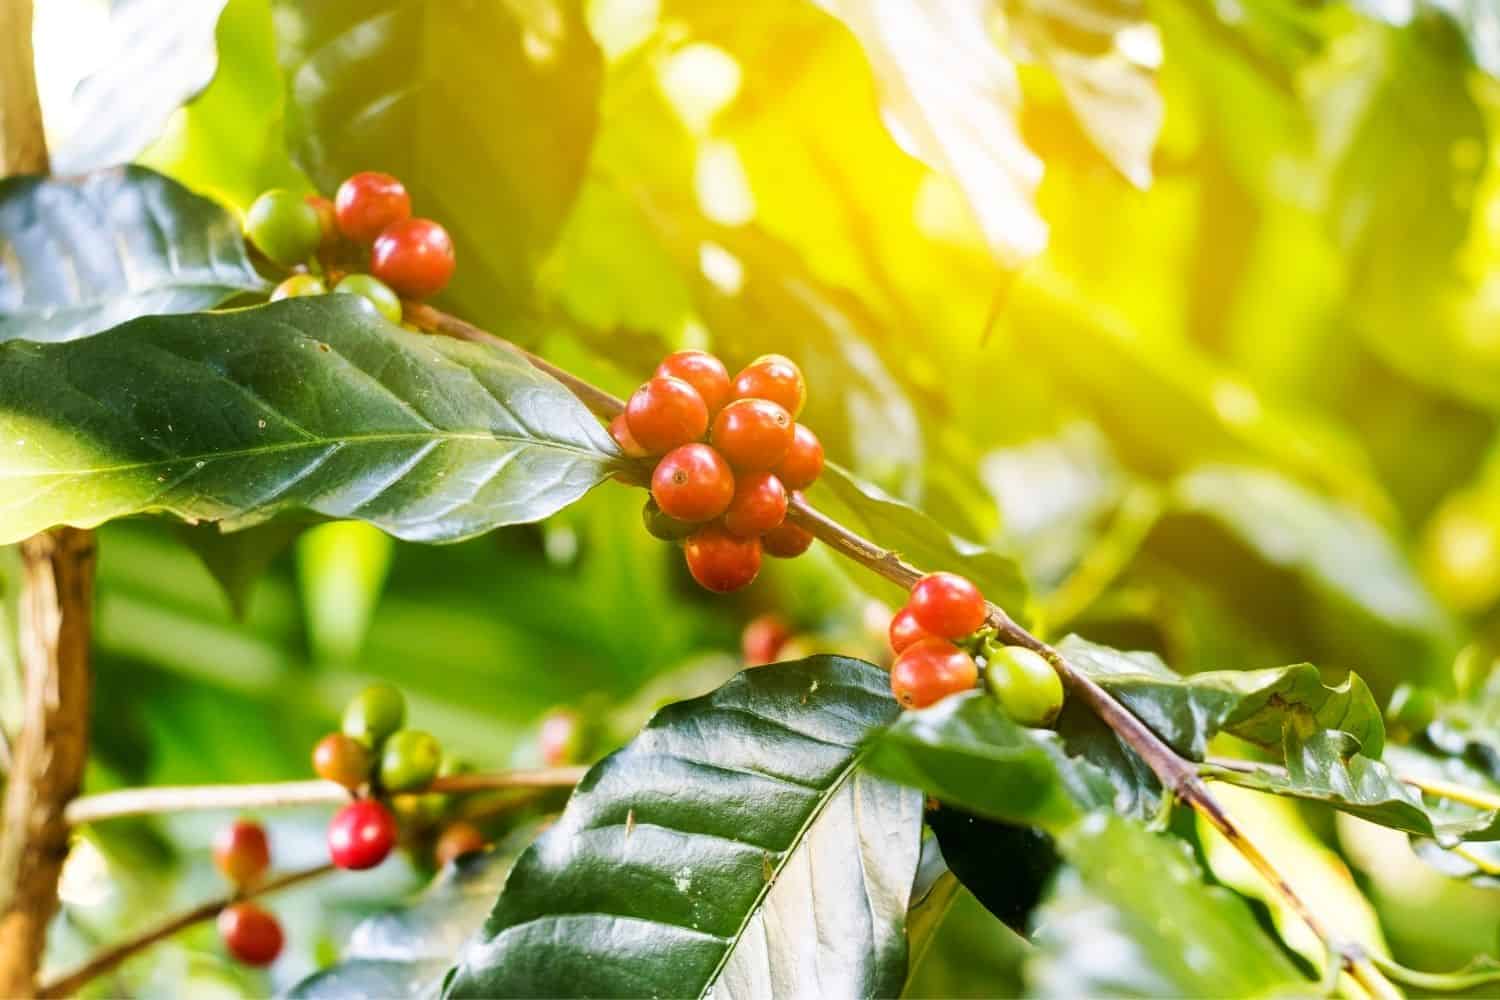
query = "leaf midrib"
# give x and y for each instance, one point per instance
(313, 443)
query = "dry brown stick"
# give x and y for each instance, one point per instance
(279, 794)
(71, 981)
(1178, 775)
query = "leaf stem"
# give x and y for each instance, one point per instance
(1178, 776)
(1450, 790)
(281, 794)
(69, 983)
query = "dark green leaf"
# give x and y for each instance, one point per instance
(312, 403)
(82, 255)
(403, 87)
(404, 952)
(159, 54)
(1005, 866)
(1131, 916)
(969, 953)
(733, 846)
(238, 558)
(918, 538)
(966, 750)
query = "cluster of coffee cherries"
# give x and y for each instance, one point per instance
(250, 933)
(366, 233)
(729, 455)
(375, 756)
(936, 638)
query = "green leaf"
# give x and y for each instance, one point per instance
(341, 569)
(238, 558)
(404, 952)
(91, 252)
(971, 846)
(1131, 916)
(734, 846)
(970, 954)
(312, 403)
(159, 53)
(967, 751)
(403, 86)
(918, 538)
(1478, 21)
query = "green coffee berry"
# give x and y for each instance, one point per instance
(409, 760)
(375, 713)
(1024, 683)
(297, 286)
(373, 291)
(284, 227)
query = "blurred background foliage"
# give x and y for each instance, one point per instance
(1192, 308)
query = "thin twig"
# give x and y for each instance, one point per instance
(280, 794)
(68, 983)
(1178, 776)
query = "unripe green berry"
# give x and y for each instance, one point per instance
(659, 525)
(284, 227)
(373, 291)
(1024, 683)
(409, 760)
(297, 286)
(375, 713)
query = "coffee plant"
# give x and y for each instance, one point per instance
(801, 499)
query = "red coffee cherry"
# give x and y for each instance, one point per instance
(787, 540)
(946, 604)
(328, 220)
(368, 202)
(759, 505)
(342, 760)
(666, 412)
(929, 671)
(774, 377)
(803, 463)
(561, 737)
(456, 840)
(763, 638)
(413, 256)
(251, 934)
(703, 372)
(692, 483)
(753, 434)
(361, 834)
(241, 852)
(620, 431)
(905, 630)
(720, 561)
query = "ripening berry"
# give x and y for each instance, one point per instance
(703, 372)
(803, 463)
(948, 605)
(668, 529)
(786, 541)
(666, 412)
(284, 227)
(720, 561)
(241, 852)
(752, 434)
(561, 737)
(774, 377)
(373, 291)
(620, 431)
(328, 220)
(409, 760)
(763, 638)
(905, 630)
(297, 286)
(692, 483)
(413, 256)
(1024, 683)
(361, 834)
(368, 202)
(930, 670)
(759, 505)
(342, 760)
(457, 839)
(250, 933)
(375, 713)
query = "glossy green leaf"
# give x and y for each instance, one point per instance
(82, 255)
(158, 54)
(1004, 865)
(312, 403)
(966, 750)
(1131, 917)
(404, 952)
(970, 953)
(871, 512)
(403, 86)
(734, 846)
(238, 558)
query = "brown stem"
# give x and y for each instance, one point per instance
(69, 983)
(279, 794)
(1178, 775)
